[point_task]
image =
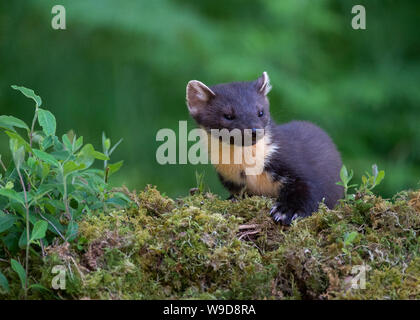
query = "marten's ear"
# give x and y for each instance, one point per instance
(198, 94)
(263, 84)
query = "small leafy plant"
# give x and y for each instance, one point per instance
(48, 186)
(348, 241)
(369, 181)
(346, 177)
(199, 178)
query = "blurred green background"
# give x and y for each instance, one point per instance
(122, 67)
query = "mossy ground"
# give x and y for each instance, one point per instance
(202, 247)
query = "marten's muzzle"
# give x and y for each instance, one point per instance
(245, 137)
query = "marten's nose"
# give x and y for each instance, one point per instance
(254, 135)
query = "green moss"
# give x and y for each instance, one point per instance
(202, 247)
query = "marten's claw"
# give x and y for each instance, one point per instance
(283, 217)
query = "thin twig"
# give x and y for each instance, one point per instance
(248, 233)
(248, 226)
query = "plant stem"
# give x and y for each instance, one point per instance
(65, 192)
(42, 247)
(27, 233)
(66, 203)
(2, 165)
(33, 126)
(55, 228)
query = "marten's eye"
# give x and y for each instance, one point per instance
(260, 113)
(229, 116)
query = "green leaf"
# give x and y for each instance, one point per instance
(364, 180)
(47, 121)
(58, 146)
(11, 241)
(6, 222)
(9, 122)
(89, 151)
(71, 166)
(67, 143)
(4, 283)
(122, 196)
(18, 152)
(107, 144)
(29, 93)
(44, 170)
(343, 173)
(23, 239)
(9, 185)
(86, 155)
(12, 195)
(54, 205)
(380, 177)
(46, 157)
(20, 140)
(47, 142)
(39, 287)
(39, 230)
(17, 267)
(42, 190)
(61, 155)
(99, 155)
(350, 176)
(349, 237)
(115, 167)
(104, 147)
(116, 201)
(72, 230)
(32, 163)
(78, 144)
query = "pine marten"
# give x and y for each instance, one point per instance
(301, 164)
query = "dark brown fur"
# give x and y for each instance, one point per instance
(305, 161)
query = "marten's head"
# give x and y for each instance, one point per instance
(236, 105)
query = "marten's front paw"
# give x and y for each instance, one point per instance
(233, 198)
(284, 215)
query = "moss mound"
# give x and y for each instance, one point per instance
(201, 247)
